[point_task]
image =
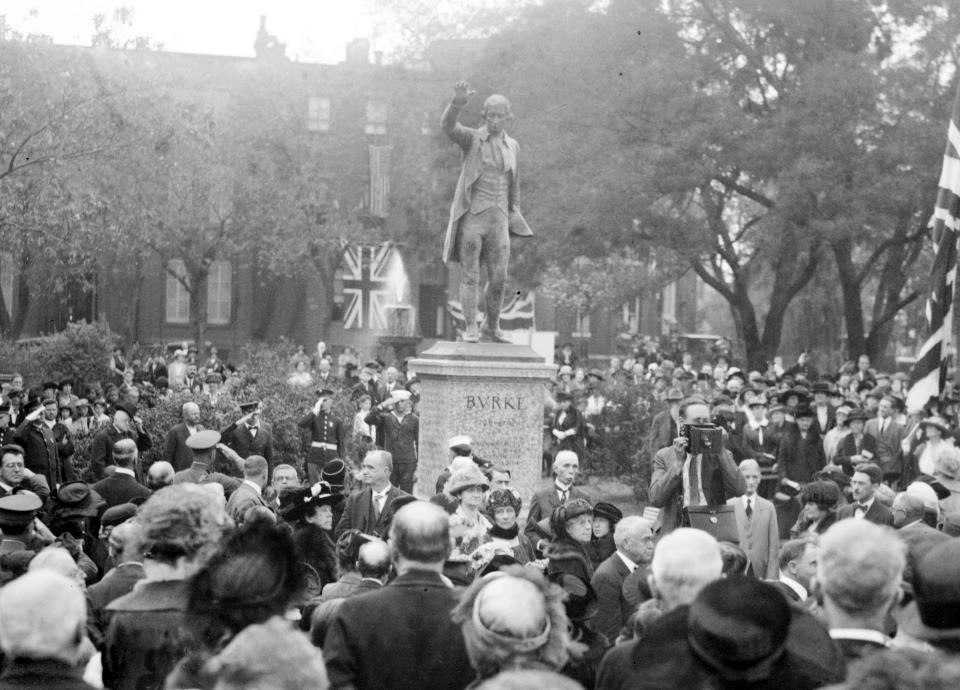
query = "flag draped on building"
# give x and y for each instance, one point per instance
(380, 180)
(517, 314)
(930, 370)
(367, 291)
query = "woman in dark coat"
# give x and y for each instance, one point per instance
(567, 426)
(309, 513)
(572, 525)
(799, 458)
(819, 500)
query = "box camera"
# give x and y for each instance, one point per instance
(702, 438)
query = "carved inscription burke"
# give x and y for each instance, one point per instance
(495, 402)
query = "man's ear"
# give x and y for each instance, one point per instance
(816, 591)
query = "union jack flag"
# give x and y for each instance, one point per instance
(366, 290)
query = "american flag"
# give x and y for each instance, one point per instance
(366, 287)
(930, 370)
(380, 180)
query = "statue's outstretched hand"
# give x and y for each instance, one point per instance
(462, 91)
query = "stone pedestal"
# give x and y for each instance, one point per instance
(492, 392)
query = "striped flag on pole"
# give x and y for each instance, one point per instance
(929, 373)
(380, 180)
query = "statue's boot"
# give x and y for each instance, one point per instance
(495, 335)
(471, 334)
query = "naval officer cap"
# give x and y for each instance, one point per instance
(249, 406)
(19, 508)
(203, 440)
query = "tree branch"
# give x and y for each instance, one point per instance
(732, 184)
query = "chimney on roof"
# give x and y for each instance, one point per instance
(266, 45)
(358, 51)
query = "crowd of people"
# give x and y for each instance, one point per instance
(799, 531)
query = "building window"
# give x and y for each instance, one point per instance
(631, 314)
(219, 293)
(376, 117)
(582, 327)
(178, 298)
(318, 114)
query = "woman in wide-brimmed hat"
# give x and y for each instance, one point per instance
(468, 526)
(309, 512)
(922, 460)
(947, 471)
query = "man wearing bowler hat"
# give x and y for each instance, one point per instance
(126, 424)
(250, 435)
(326, 434)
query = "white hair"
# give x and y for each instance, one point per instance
(42, 616)
(628, 527)
(684, 562)
(860, 566)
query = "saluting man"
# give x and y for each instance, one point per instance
(326, 434)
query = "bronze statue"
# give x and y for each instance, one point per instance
(484, 212)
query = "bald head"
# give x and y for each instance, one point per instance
(907, 508)
(373, 559)
(684, 562)
(420, 536)
(160, 475)
(42, 616)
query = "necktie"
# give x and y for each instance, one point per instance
(253, 431)
(749, 508)
(378, 503)
(883, 424)
(694, 480)
(564, 493)
(863, 506)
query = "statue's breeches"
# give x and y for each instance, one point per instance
(484, 240)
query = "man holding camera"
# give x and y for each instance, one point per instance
(695, 471)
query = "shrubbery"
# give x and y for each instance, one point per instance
(618, 447)
(83, 352)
